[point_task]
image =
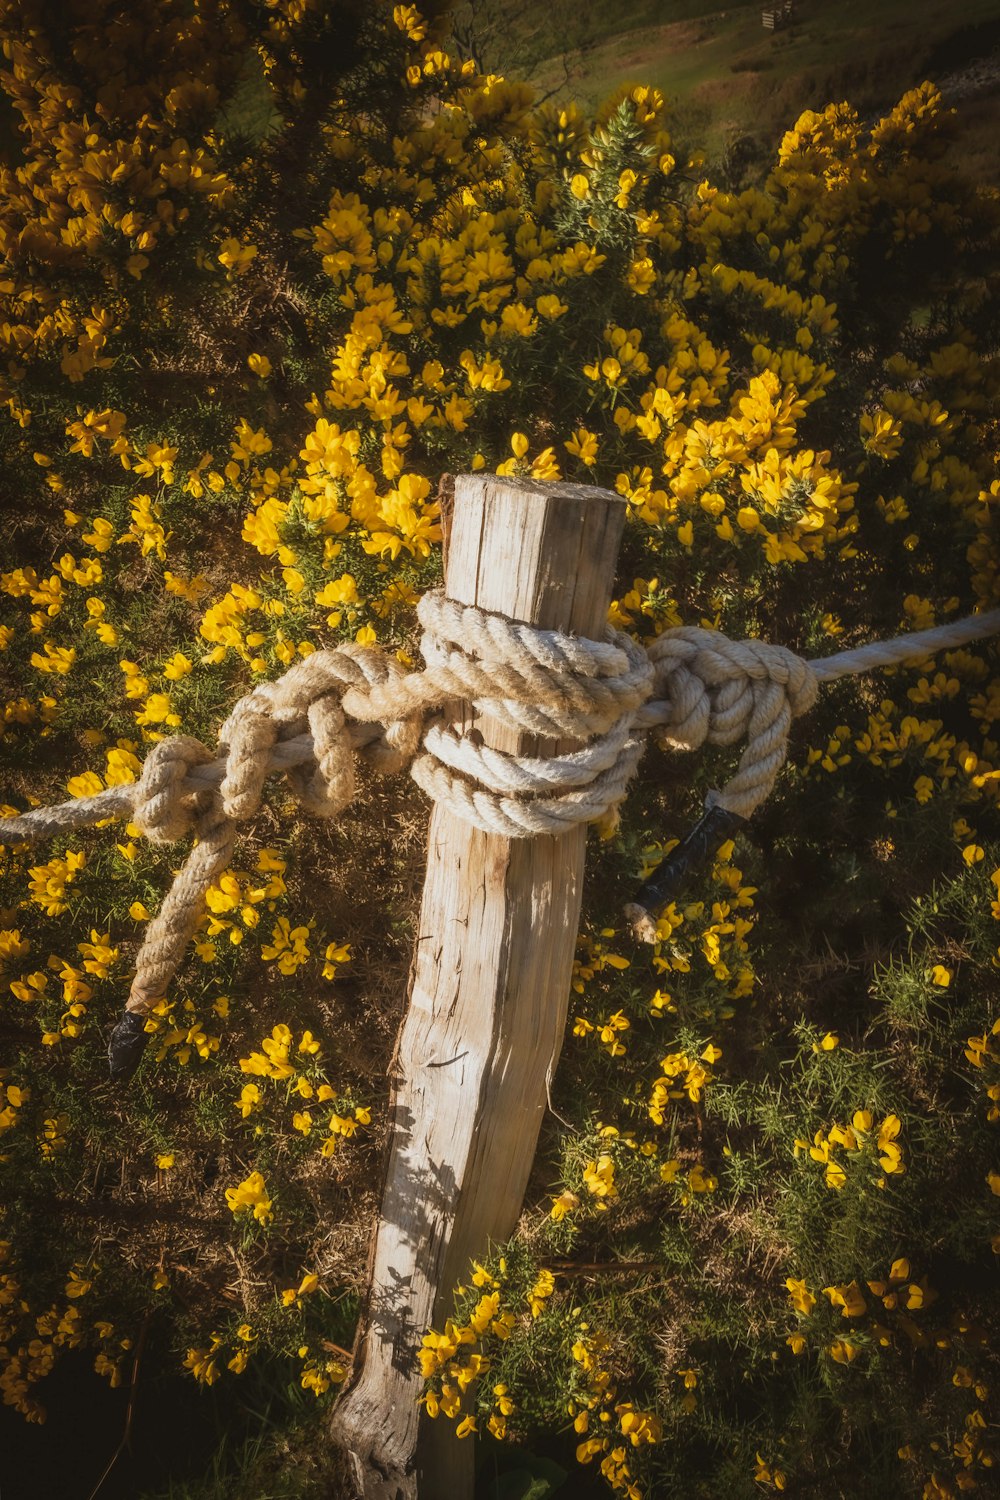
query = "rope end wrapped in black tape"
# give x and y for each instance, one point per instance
(127, 1044)
(715, 825)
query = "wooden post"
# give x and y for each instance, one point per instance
(489, 990)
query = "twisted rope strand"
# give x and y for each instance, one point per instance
(173, 927)
(82, 812)
(912, 647)
(522, 775)
(518, 818)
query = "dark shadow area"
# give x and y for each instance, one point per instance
(176, 1430)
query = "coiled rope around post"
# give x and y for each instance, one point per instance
(688, 687)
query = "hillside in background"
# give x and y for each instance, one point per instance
(736, 87)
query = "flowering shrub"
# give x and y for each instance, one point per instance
(263, 283)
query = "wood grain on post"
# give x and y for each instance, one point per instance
(489, 990)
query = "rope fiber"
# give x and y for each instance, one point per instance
(688, 687)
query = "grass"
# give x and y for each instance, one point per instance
(728, 76)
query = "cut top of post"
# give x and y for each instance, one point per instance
(519, 524)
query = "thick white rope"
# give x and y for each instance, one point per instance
(689, 687)
(912, 647)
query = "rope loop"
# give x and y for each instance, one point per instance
(709, 689)
(586, 691)
(164, 809)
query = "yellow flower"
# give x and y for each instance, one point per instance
(57, 659)
(540, 1293)
(802, 1298)
(583, 445)
(335, 955)
(270, 861)
(891, 1157)
(410, 21)
(203, 1365)
(48, 882)
(834, 1176)
(291, 1295)
(236, 257)
(564, 1204)
(88, 784)
(599, 1178)
(764, 1474)
(249, 1099)
(77, 1285)
(881, 434)
(843, 1351)
(550, 306)
(701, 1181)
(518, 319)
(158, 709)
(177, 667)
(848, 1298)
(250, 1194)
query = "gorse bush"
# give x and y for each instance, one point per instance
(270, 270)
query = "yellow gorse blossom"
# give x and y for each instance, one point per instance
(251, 1195)
(859, 1139)
(272, 1061)
(49, 881)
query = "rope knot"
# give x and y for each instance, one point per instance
(310, 699)
(711, 689)
(540, 681)
(162, 808)
(691, 686)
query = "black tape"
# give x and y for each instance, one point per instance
(715, 825)
(127, 1044)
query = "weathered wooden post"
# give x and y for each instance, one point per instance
(489, 990)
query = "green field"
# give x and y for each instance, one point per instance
(729, 77)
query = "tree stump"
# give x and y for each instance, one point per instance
(489, 991)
